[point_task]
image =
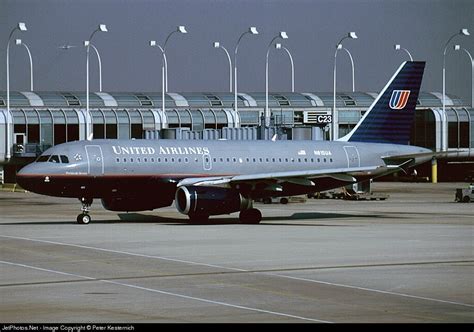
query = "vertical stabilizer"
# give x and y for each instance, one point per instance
(390, 117)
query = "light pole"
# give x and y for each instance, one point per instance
(19, 42)
(457, 48)
(462, 32)
(163, 66)
(398, 47)
(179, 29)
(87, 44)
(218, 45)
(278, 46)
(352, 64)
(252, 31)
(281, 35)
(21, 27)
(335, 120)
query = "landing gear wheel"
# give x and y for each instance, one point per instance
(83, 219)
(250, 216)
(198, 218)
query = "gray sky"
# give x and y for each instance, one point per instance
(313, 26)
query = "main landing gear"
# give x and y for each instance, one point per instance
(250, 216)
(84, 218)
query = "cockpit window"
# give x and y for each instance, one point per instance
(42, 159)
(54, 159)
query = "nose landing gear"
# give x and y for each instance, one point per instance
(84, 218)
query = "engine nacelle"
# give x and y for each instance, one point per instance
(210, 200)
(134, 204)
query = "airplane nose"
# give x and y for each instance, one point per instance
(27, 177)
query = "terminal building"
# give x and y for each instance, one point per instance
(38, 120)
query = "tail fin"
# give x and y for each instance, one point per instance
(390, 117)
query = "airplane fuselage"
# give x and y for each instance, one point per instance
(125, 168)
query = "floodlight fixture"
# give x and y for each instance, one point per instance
(22, 26)
(253, 30)
(103, 28)
(216, 44)
(464, 32)
(182, 29)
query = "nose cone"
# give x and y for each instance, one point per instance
(29, 177)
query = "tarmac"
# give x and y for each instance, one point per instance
(408, 259)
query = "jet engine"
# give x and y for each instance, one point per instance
(196, 200)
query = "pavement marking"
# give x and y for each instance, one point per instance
(371, 290)
(153, 290)
(244, 270)
(123, 252)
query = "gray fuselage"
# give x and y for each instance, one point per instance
(126, 168)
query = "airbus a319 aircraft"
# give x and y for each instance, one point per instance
(207, 178)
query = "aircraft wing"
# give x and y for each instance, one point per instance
(272, 181)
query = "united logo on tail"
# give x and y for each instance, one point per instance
(399, 99)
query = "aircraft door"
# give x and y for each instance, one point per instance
(206, 162)
(352, 155)
(95, 160)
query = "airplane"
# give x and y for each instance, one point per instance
(208, 178)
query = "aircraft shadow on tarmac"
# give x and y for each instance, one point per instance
(131, 218)
(145, 218)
